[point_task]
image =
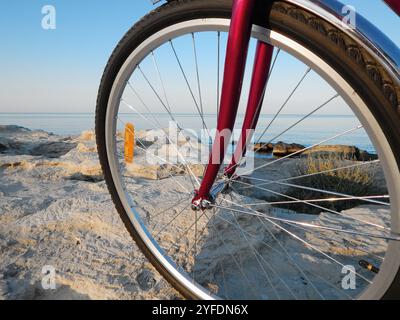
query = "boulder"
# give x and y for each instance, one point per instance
(88, 135)
(86, 148)
(13, 129)
(263, 147)
(366, 156)
(343, 152)
(146, 279)
(78, 176)
(52, 149)
(161, 171)
(282, 149)
(3, 147)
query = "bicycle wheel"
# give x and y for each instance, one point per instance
(318, 220)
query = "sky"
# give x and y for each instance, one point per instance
(60, 70)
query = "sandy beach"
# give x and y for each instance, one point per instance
(55, 210)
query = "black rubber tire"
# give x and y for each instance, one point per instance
(365, 75)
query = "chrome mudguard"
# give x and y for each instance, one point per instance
(364, 32)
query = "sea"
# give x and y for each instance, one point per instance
(313, 130)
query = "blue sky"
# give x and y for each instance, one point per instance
(60, 70)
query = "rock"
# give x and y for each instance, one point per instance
(146, 280)
(263, 147)
(150, 136)
(12, 129)
(12, 271)
(342, 152)
(15, 140)
(283, 149)
(143, 143)
(88, 135)
(162, 171)
(86, 178)
(366, 156)
(53, 149)
(339, 151)
(84, 148)
(3, 147)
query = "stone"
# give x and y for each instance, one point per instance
(3, 147)
(263, 147)
(282, 149)
(146, 280)
(53, 149)
(342, 151)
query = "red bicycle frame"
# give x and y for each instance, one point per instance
(236, 55)
(238, 42)
(394, 4)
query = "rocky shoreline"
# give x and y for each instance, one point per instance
(345, 152)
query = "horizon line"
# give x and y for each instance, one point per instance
(176, 113)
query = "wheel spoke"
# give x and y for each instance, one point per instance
(195, 239)
(285, 103)
(274, 63)
(320, 172)
(286, 253)
(261, 242)
(175, 205)
(218, 69)
(162, 159)
(346, 196)
(314, 226)
(156, 94)
(190, 88)
(156, 123)
(256, 253)
(185, 232)
(198, 78)
(172, 220)
(146, 150)
(302, 119)
(298, 122)
(184, 162)
(307, 244)
(300, 151)
(250, 286)
(321, 236)
(272, 203)
(161, 80)
(316, 206)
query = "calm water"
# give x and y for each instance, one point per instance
(312, 130)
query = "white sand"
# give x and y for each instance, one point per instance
(57, 211)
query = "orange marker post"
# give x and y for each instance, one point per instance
(129, 142)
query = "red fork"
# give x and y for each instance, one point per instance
(395, 5)
(262, 65)
(237, 48)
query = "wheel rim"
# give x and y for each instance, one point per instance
(385, 277)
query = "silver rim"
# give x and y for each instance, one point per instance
(389, 266)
